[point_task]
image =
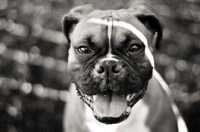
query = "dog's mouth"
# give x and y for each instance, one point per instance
(110, 107)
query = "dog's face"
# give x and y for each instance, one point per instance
(110, 58)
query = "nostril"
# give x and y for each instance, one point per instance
(99, 68)
(117, 68)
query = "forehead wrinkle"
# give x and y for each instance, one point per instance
(126, 37)
(84, 30)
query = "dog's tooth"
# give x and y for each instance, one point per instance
(133, 95)
(89, 97)
(140, 92)
(94, 97)
(128, 109)
(128, 97)
(82, 93)
(78, 93)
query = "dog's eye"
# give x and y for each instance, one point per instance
(134, 48)
(84, 50)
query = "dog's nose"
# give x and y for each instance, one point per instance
(110, 66)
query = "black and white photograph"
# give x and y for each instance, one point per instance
(99, 66)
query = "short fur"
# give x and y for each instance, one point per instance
(117, 69)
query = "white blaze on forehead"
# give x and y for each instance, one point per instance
(109, 24)
(98, 21)
(133, 29)
(109, 35)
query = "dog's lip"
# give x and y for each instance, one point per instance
(92, 98)
(130, 100)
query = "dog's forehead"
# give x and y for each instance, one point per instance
(84, 30)
(120, 15)
(92, 26)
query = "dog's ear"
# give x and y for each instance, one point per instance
(150, 19)
(73, 17)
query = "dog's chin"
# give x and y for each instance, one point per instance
(109, 107)
(112, 120)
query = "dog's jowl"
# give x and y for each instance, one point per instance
(111, 67)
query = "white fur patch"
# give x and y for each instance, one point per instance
(98, 21)
(109, 59)
(109, 35)
(130, 27)
(181, 123)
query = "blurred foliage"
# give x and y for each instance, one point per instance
(33, 60)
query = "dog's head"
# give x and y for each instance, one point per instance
(110, 57)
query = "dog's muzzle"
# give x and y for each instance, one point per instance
(111, 105)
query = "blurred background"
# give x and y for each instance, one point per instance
(33, 67)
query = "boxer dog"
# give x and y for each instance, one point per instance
(111, 67)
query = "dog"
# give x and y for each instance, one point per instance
(115, 87)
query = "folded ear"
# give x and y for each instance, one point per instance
(73, 17)
(150, 19)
